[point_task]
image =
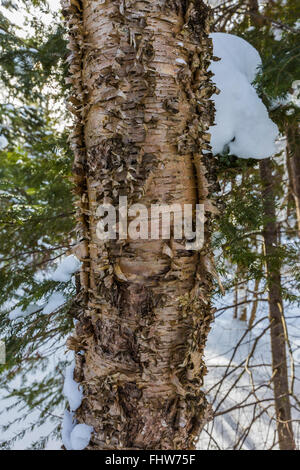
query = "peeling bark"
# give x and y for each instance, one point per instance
(141, 126)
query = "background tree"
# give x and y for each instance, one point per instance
(36, 221)
(272, 29)
(277, 319)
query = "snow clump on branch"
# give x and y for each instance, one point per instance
(242, 124)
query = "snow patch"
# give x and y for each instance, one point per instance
(81, 436)
(66, 269)
(72, 390)
(67, 428)
(56, 300)
(242, 124)
(3, 142)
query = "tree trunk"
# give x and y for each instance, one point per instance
(254, 304)
(293, 157)
(141, 97)
(256, 18)
(276, 314)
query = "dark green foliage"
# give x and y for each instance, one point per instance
(239, 228)
(36, 215)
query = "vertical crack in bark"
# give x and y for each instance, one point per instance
(141, 131)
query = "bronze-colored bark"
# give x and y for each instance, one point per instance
(293, 160)
(141, 97)
(276, 313)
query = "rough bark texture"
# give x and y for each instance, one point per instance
(144, 306)
(293, 158)
(276, 314)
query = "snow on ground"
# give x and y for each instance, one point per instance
(239, 422)
(74, 436)
(56, 300)
(232, 399)
(242, 124)
(30, 436)
(14, 413)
